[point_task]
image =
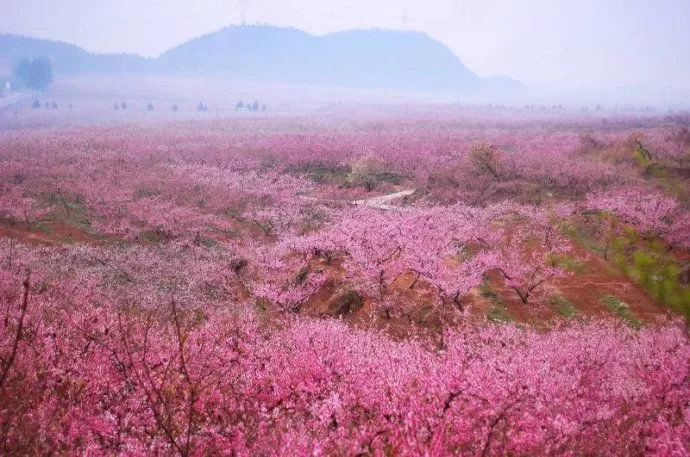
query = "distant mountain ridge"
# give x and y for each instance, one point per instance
(67, 58)
(372, 59)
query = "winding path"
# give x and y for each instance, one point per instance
(383, 201)
(380, 202)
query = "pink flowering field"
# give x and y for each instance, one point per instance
(332, 285)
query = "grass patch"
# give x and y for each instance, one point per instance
(498, 312)
(650, 265)
(564, 306)
(66, 208)
(566, 228)
(322, 172)
(571, 231)
(209, 243)
(42, 226)
(230, 233)
(568, 263)
(486, 291)
(642, 258)
(391, 178)
(593, 246)
(326, 174)
(154, 236)
(233, 213)
(621, 309)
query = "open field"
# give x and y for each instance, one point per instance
(87, 100)
(90, 99)
(352, 281)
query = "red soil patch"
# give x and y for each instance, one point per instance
(420, 309)
(584, 289)
(599, 279)
(54, 233)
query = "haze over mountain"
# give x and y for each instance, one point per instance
(373, 59)
(65, 57)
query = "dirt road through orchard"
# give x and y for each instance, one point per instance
(383, 201)
(380, 202)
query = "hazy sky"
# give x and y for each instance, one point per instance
(543, 43)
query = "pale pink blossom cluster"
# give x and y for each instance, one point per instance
(646, 210)
(436, 244)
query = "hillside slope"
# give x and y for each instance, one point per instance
(372, 59)
(67, 58)
(358, 58)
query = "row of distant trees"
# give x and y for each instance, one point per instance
(249, 106)
(201, 107)
(37, 104)
(35, 74)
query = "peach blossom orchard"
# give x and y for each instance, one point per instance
(234, 287)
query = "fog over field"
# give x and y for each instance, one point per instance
(535, 52)
(263, 228)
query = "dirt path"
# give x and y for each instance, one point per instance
(383, 201)
(380, 202)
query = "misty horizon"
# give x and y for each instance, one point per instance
(548, 46)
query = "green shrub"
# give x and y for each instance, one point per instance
(650, 264)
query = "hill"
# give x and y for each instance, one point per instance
(358, 58)
(372, 59)
(67, 58)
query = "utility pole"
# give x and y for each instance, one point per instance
(244, 4)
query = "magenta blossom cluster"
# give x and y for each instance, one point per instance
(80, 375)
